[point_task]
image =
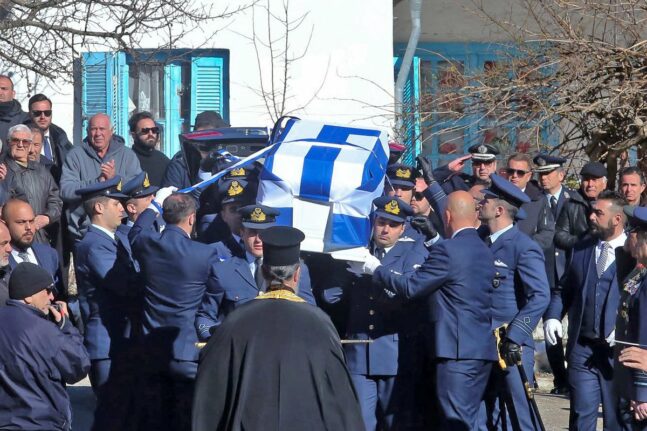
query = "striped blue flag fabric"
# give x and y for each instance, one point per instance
(323, 178)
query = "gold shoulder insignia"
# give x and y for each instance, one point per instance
(392, 207)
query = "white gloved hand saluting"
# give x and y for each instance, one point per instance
(160, 197)
(367, 267)
(552, 330)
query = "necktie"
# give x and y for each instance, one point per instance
(258, 274)
(24, 256)
(47, 148)
(553, 206)
(488, 241)
(601, 264)
(379, 253)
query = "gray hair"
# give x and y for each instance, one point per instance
(17, 128)
(279, 274)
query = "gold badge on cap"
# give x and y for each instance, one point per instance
(146, 182)
(257, 215)
(392, 207)
(118, 186)
(234, 189)
(240, 172)
(403, 173)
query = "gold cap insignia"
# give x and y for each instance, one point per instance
(392, 207)
(146, 182)
(119, 186)
(234, 189)
(403, 173)
(257, 215)
(240, 172)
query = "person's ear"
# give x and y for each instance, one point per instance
(297, 275)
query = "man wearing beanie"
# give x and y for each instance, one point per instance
(40, 352)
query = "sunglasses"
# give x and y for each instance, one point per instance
(418, 196)
(46, 113)
(146, 130)
(519, 172)
(482, 162)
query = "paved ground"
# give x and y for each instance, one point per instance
(554, 409)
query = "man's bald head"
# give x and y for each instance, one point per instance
(460, 211)
(19, 217)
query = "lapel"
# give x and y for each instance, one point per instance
(589, 264)
(242, 268)
(394, 254)
(502, 241)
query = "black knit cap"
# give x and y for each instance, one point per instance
(27, 279)
(281, 245)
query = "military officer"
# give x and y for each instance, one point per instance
(551, 175)
(106, 280)
(631, 326)
(400, 183)
(238, 280)
(140, 194)
(451, 176)
(457, 281)
(382, 369)
(519, 300)
(225, 227)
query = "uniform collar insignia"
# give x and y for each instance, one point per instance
(280, 294)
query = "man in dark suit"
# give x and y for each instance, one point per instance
(551, 177)
(19, 218)
(106, 280)
(382, 368)
(176, 272)
(239, 279)
(519, 300)
(457, 279)
(591, 297)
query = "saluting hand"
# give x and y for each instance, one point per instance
(458, 164)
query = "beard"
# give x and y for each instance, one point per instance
(601, 232)
(147, 143)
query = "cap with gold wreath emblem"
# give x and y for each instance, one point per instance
(392, 208)
(258, 216)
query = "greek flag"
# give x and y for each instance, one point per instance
(323, 179)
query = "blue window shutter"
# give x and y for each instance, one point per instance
(207, 85)
(411, 111)
(119, 109)
(104, 78)
(96, 82)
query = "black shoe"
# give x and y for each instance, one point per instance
(561, 390)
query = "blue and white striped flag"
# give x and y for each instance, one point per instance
(323, 178)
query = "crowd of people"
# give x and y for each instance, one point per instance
(433, 330)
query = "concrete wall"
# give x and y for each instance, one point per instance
(345, 76)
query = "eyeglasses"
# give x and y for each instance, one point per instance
(418, 196)
(20, 142)
(47, 113)
(518, 172)
(146, 130)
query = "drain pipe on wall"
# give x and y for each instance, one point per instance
(415, 7)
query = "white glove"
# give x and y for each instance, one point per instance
(552, 330)
(611, 339)
(161, 196)
(367, 267)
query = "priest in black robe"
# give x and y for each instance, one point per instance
(276, 363)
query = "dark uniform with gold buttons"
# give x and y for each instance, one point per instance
(381, 367)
